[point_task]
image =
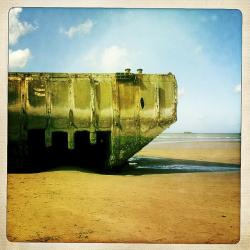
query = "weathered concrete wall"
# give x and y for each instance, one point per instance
(134, 108)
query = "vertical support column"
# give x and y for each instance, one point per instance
(24, 104)
(71, 144)
(48, 132)
(115, 105)
(92, 130)
(175, 99)
(116, 126)
(137, 110)
(157, 102)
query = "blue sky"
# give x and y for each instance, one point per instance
(201, 47)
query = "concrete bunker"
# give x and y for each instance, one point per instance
(86, 119)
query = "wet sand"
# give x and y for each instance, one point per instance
(75, 205)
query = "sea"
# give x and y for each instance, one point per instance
(161, 165)
(193, 137)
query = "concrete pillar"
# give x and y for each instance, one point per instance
(48, 137)
(71, 142)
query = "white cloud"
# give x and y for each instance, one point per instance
(18, 58)
(17, 28)
(83, 29)
(237, 88)
(110, 59)
(181, 91)
(113, 58)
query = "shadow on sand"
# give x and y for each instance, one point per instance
(157, 165)
(148, 165)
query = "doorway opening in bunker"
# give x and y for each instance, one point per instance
(59, 149)
(36, 147)
(93, 155)
(60, 141)
(35, 156)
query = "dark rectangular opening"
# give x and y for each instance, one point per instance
(59, 150)
(103, 145)
(60, 140)
(35, 156)
(82, 152)
(36, 139)
(92, 154)
(81, 140)
(36, 148)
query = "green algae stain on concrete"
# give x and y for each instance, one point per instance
(117, 114)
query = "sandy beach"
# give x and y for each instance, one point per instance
(77, 205)
(218, 151)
